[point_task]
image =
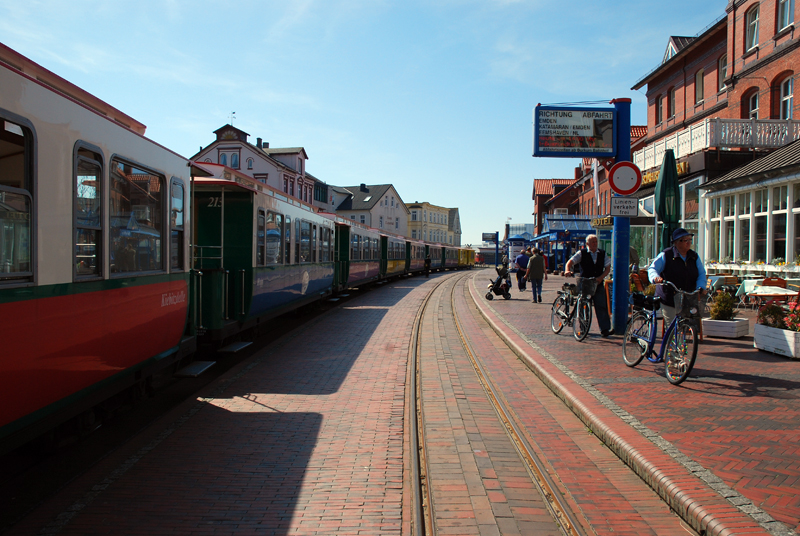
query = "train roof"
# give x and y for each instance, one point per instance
(29, 68)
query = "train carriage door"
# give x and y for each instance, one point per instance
(224, 222)
(341, 256)
(384, 255)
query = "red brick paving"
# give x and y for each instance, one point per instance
(736, 417)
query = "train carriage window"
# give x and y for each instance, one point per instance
(88, 214)
(326, 244)
(287, 233)
(136, 217)
(297, 241)
(314, 244)
(176, 225)
(16, 202)
(274, 230)
(305, 242)
(261, 238)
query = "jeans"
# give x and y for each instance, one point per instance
(521, 279)
(537, 288)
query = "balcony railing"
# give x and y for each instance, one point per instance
(722, 134)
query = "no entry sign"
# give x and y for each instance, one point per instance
(625, 178)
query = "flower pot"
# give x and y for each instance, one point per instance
(728, 329)
(776, 340)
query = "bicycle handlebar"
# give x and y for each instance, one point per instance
(670, 283)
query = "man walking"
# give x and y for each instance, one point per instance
(594, 263)
(522, 266)
(536, 271)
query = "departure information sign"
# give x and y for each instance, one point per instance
(574, 132)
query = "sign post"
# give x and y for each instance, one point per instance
(622, 226)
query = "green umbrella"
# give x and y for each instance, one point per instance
(668, 198)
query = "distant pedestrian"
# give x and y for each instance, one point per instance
(535, 273)
(522, 266)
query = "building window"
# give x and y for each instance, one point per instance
(722, 72)
(698, 86)
(235, 161)
(380, 222)
(397, 223)
(413, 215)
(671, 103)
(249, 163)
(785, 13)
(363, 219)
(751, 31)
(413, 233)
(659, 109)
(223, 159)
(752, 106)
(88, 214)
(787, 98)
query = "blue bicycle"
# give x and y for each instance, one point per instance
(679, 345)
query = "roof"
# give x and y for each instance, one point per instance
(784, 161)
(364, 200)
(285, 150)
(547, 186)
(566, 223)
(638, 131)
(683, 46)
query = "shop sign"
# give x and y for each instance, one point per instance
(606, 221)
(652, 176)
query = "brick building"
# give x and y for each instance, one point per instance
(720, 100)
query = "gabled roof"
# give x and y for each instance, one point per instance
(547, 186)
(675, 45)
(784, 161)
(285, 150)
(364, 199)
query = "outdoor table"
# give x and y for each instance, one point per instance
(745, 288)
(763, 294)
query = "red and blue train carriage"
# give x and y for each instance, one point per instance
(94, 256)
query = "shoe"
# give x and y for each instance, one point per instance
(606, 333)
(540, 299)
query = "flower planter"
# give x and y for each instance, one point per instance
(778, 341)
(729, 329)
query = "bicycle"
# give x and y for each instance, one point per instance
(679, 344)
(579, 298)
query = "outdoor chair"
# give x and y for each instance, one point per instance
(774, 282)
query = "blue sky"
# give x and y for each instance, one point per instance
(434, 97)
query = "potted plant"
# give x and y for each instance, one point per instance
(777, 330)
(722, 321)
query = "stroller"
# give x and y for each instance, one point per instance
(502, 285)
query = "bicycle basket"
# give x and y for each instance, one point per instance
(684, 304)
(588, 285)
(572, 288)
(645, 302)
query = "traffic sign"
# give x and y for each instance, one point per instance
(625, 178)
(627, 207)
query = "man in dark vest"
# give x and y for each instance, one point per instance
(593, 262)
(681, 266)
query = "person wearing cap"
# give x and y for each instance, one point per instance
(593, 262)
(680, 265)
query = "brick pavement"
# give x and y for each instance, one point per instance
(733, 426)
(304, 438)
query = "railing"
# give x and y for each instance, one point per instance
(722, 134)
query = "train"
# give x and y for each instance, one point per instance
(119, 258)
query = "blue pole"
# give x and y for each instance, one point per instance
(496, 248)
(622, 226)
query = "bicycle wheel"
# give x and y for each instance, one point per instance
(637, 335)
(583, 320)
(681, 351)
(559, 313)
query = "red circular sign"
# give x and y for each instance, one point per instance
(625, 178)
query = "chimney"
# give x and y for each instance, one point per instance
(578, 173)
(364, 187)
(258, 143)
(265, 145)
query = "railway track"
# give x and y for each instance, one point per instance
(443, 295)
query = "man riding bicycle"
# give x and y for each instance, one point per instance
(593, 262)
(680, 265)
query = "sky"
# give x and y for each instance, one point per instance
(435, 97)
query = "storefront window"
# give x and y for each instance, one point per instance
(713, 241)
(761, 238)
(729, 227)
(744, 240)
(744, 204)
(779, 236)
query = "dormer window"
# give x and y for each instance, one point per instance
(366, 199)
(223, 159)
(670, 53)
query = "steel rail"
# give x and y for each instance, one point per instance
(560, 510)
